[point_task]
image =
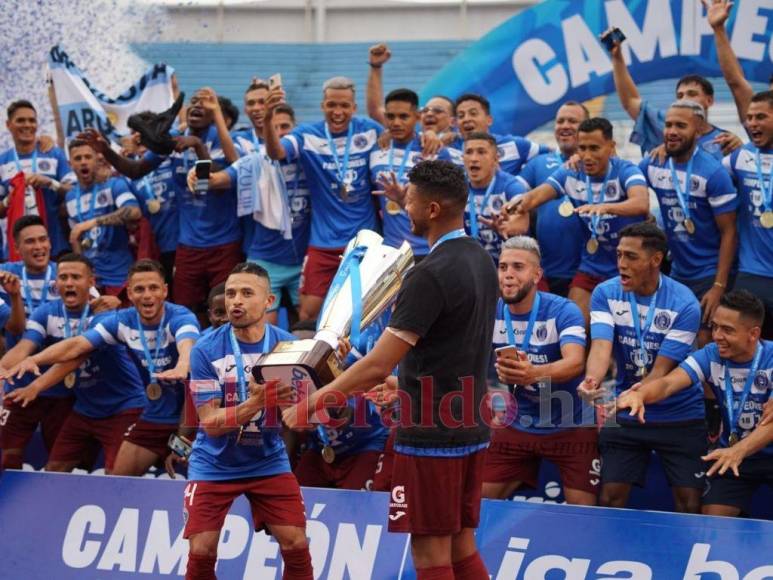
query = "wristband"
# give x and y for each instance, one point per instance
(55, 185)
(375, 65)
(719, 284)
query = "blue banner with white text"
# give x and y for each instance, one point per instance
(87, 527)
(550, 53)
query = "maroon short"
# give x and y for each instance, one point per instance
(275, 499)
(18, 424)
(516, 455)
(196, 270)
(585, 281)
(382, 479)
(319, 268)
(355, 471)
(436, 496)
(79, 431)
(151, 436)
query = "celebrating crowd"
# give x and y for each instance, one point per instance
(138, 294)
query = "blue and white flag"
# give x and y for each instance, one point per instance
(83, 105)
(550, 53)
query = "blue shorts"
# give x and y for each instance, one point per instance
(282, 276)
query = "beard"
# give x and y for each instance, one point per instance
(685, 148)
(520, 295)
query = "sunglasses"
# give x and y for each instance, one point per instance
(434, 110)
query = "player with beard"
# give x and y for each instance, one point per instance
(251, 139)
(238, 448)
(109, 395)
(738, 367)
(560, 254)
(648, 322)
(607, 192)
(698, 203)
(440, 331)
(162, 364)
(335, 156)
(751, 168)
(545, 361)
(99, 214)
(210, 238)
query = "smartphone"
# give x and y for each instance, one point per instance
(275, 81)
(612, 37)
(203, 167)
(179, 446)
(507, 351)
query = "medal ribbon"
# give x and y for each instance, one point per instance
(151, 360)
(406, 156)
(683, 195)
(92, 207)
(241, 381)
(595, 219)
(636, 320)
(474, 227)
(732, 422)
(529, 325)
(452, 235)
(18, 162)
(341, 169)
(81, 323)
(27, 291)
(767, 192)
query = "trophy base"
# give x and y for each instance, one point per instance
(305, 364)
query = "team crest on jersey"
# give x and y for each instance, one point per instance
(694, 183)
(102, 198)
(663, 321)
(360, 141)
(761, 380)
(44, 166)
(496, 204)
(611, 189)
(500, 152)
(541, 333)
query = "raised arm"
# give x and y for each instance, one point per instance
(626, 89)
(274, 148)
(18, 318)
(210, 101)
(717, 15)
(374, 95)
(131, 168)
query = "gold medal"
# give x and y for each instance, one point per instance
(328, 454)
(153, 390)
(153, 205)
(592, 246)
(392, 208)
(733, 439)
(566, 209)
(343, 190)
(689, 225)
(69, 380)
(766, 219)
(86, 243)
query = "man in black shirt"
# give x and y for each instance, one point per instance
(440, 333)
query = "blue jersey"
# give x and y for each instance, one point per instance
(506, 187)
(397, 224)
(107, 383)
(161, 186)
(52, 164)
(121, 328)
(755, 242)
(261, 450)
(5, 313)
(560, 254)
(207, 219)
(558, 322)
(247, 141)
(513, 152)
(337, 217)
(711, 194)
(705, 365)
(671, 334)
(262, 243)
(109, 251)
(623, 176)
(39, 288)
(648, 132)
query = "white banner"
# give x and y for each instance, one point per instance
(82, 105)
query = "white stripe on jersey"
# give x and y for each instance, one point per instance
(720, 200)
(507, 151)
(575, 188)
(545, 332)
(661, 178)
(693, 364)
(577, 331)
(131, 337)
(186, 329)
(106, 336)
(601, 317)
(204, 386)
(320, 145)
(621, 316)
(738, 378)
(33, 325)
(683, 336)
(124, 198)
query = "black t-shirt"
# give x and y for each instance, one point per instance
(449, 300)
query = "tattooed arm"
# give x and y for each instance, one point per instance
(120, 217)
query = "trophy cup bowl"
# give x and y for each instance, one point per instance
(312, 363)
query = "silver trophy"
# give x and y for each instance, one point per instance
(314, 361)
